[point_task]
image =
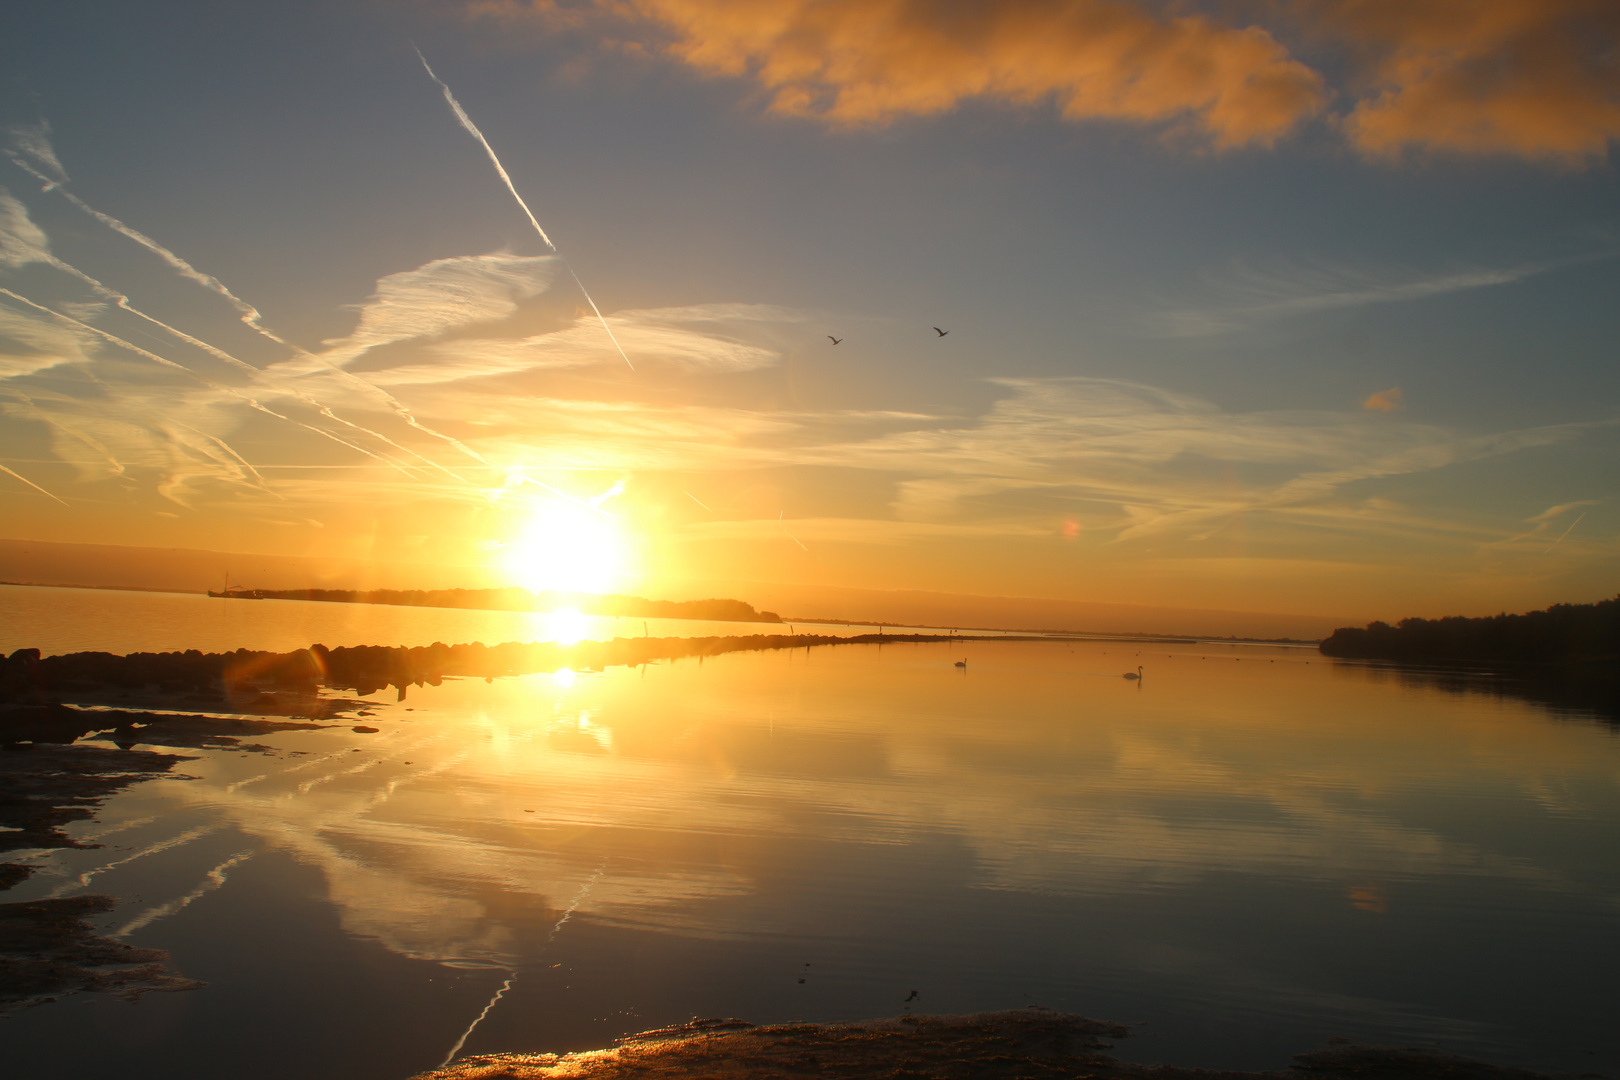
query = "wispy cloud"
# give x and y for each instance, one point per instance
(1553, 512)
(29, 147)
(706, 338)
(21, 241)
(1245, 295)
(441, 296)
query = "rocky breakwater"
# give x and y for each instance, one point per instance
(367, 669)
(34, 689)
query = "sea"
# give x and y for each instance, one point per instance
(1247, 852)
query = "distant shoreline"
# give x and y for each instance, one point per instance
(1083, 635)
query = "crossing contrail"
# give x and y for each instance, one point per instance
(246, 399)
(249, 315)
(257, 374)
(472, 129)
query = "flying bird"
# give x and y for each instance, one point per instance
(940, 332)
(834, 340)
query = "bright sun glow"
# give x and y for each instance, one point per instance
(566, 626)
(568, 548)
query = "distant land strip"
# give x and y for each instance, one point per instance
(1570, 635)
(513, 599)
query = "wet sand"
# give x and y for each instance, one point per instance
(1026, 1044)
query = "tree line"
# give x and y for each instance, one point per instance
(1583, 634)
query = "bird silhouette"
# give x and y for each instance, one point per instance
(940, 332)
(1134, 675)
(834, 340)
(961, 663)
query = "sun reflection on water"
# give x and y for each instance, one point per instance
(567, 626)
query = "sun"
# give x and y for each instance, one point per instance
(566, 547)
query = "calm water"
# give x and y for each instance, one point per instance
(1247, 853)
(57, 620)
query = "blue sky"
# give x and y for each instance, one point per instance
(1252, 358)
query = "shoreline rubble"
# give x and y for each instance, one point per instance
(1024, 1044)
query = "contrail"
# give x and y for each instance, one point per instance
(162, 845)
(240, 460)
(783, 526)
(697, 500)
(605, 327)
(511, 976)
(251, 402)
(47, 418)
(593, 504)
(30, 483)
(251, 316)
(1550, 546)
(613, 492)
(472, 129)
(211, 881)
(108, 293)
(248, 313)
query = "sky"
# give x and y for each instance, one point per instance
(1272, 306)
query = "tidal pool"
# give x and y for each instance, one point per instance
(1250, 851)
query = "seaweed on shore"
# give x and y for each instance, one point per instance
(1026, 1044)
(47, 781)
(44, 787)
(48, 950)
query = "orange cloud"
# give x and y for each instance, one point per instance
(855, 63)
(1533, 78)
(1385, 400)
(1529, 78)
